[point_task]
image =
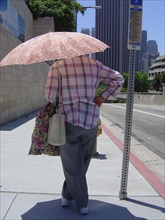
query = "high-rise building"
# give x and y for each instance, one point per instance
(112, 29)
(85, 31)
(148, 53)
(144, 41)
(152, 47)
(148, 60)
(93, 32)
(141, 52)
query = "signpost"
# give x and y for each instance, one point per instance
(135, 23)
(134, 43)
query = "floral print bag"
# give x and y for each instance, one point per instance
(39, 144)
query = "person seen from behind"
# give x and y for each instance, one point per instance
(80, 106)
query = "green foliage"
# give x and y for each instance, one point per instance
(157, 82)
(125, 75)
(100, 88)
(63, 12)
(124, 90)
(163, 78)
(141, 82)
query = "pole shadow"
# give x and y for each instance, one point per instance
(146, 204)
(98, 210)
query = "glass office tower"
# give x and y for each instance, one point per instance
(112, 28)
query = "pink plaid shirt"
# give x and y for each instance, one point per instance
(80, 79)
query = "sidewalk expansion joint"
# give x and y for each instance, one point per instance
(90, 195)
(11, 205)
(35, 193)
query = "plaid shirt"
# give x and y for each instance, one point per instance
(80, 79)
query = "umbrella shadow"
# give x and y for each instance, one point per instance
(98, 210)
(18, 122)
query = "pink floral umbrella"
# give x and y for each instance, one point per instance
(51, 46)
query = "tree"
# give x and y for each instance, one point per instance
(163, 78)
(63, 12)
(141, 82)
(157, 82)
(100, 88)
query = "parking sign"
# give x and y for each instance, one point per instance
(135, 25)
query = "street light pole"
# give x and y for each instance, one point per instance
(97, 7)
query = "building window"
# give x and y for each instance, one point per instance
(12, 20)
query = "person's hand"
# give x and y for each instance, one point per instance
(99, 100)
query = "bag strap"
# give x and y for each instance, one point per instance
(59, 86)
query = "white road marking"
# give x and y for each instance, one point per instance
(147, 113)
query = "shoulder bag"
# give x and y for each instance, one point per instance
(56, 130)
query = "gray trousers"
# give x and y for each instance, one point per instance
(75, 156)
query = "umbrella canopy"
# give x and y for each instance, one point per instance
(51, 46)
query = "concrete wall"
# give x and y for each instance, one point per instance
(43, 25)
(149, 99)
(22, 86)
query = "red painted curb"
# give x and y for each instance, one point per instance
(139, 165)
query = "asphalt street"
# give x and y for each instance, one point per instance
(148, 125)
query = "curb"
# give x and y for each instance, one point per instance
(151, 178)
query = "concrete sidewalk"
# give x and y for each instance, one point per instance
(31, 185)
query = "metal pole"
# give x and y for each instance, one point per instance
(128, 126)
(75, 20)
(97, 7)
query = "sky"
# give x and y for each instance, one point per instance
(153, 20)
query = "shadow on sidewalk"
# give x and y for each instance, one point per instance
(18, 122)
(98, 210)
(99, 156)
(146, 204)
